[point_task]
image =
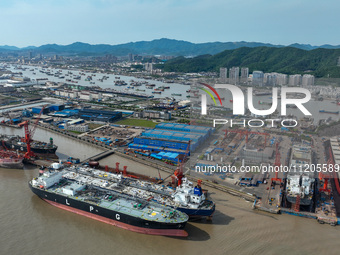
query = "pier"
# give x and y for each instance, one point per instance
(170, 170)
(107, 151)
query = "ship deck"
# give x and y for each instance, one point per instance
(130, 186)
(88, 190)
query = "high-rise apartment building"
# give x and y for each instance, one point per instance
(295, 79)
(244, 74)
(281, 79)
(234, 75)
(258, 77)
(223, 74)
(307, 80)
(148, 67)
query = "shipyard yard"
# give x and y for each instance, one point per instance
(151, 137)
(165, 127)
(234, 223)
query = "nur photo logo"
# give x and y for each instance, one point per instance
(288, 96)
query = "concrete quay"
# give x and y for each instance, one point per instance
(108, 150)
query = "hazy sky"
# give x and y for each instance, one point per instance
(37, 22)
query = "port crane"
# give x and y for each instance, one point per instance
(178, 174)
(29, 133)
(330, 174)
(327, 175)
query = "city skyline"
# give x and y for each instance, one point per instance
(38, 22)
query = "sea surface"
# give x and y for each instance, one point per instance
(31, 226)
(108, 83)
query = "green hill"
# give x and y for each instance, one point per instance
(163, 46)
(289, 60)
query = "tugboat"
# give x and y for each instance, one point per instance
(11, 159)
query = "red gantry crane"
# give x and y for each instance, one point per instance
(277, 164)
(29, 133)
(331, 173)
(326, 175)
(178, 174)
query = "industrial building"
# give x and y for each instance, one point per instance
(78, 128)
(67, 93)
(161, 142)
(301, 155)
(56, 107)
(125, 112)
(37, 110)
(65, 113)
(335, 145)
(153, 114)
(89, 96)
(171, 137)
(167, 156)
(4, 89)
(185, 128)
(74, 125)
(48, 108)
(99, 115)
(256, 155)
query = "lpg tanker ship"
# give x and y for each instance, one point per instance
(90, 196)
(186, 197)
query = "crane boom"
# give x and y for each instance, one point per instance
(34, 126)
(179, 171)
(29, 133)
(277, 164)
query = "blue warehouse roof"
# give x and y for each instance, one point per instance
(171, 135)
(184, 127)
